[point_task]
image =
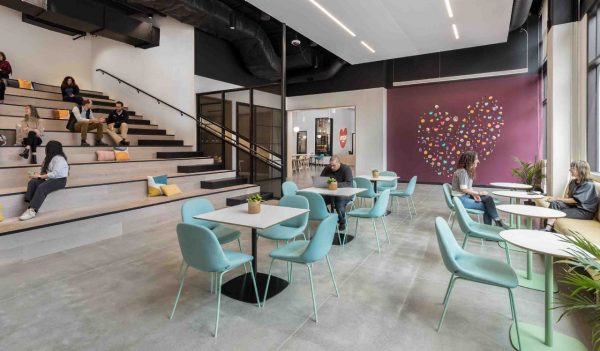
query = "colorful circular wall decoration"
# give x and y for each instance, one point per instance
(442, 137)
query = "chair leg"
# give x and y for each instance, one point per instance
(337, 227)
(312, 290)
(448, 289)
(450, 216)
(356, 229)
(240, 245)
(409, 210)
(255, 288)
(218, 302)
(507, 253)
(413, 204)
(268, 281)
(513, 309)
(465, 241)
(212, 282)
(337, 293)
(179, 291)
(180, 270)
(385, 229)
(447, 300)
(376, 235)
(453, 220)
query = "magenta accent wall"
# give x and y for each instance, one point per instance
(427, 124)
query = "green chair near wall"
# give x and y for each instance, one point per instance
(387, 184)
(377, 211)
(407, 194)
(370, 193)
(307, 252)
(318, 208)
(466, 266)
(289, 188)
(202, 250)
(447, 189)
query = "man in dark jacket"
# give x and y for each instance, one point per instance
(343, 174)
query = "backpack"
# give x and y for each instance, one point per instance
(73, 119)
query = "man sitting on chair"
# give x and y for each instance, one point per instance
(343, 174)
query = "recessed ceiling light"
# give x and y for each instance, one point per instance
(449, 8)
(333, 17)
(455, 31)
(367, 46)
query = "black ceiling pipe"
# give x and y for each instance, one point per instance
(311, 75)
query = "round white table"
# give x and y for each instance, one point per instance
(512, 186)
(550, 245)
(529, 279)
(515, 197)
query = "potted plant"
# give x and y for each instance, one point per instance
(531, 173)
(375, 173)
(331, 184)
(254, 203)
(583, 293)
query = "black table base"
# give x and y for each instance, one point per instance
(241, 288)
(346, 238)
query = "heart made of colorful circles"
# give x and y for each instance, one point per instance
(442, 137)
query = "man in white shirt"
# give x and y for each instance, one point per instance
(87, 122)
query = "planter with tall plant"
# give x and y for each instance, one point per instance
(531, 173)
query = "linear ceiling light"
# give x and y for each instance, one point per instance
(455, 31)
(333, 17)
(449, 8)
(367, 46)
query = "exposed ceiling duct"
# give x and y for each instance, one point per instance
(520, 12)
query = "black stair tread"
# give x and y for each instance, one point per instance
(147, 131)
(200, 168)
(147, 142)
(139, 121)
(179, 154)
(238, 200)
(222, 183)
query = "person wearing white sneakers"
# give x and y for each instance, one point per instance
(52, 177)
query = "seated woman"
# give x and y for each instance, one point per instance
(31, 130)
(5, 72)
(70, 90)
(582, 199)
(53, 176)
(462, 187)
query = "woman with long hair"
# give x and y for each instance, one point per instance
(462, 187)
(31, 129)
(582, 198)
(70, 90)
(52, 177)
(5, 72)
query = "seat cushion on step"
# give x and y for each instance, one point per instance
(154, 184)
(170, 190)
(105, 155)
(122, 155)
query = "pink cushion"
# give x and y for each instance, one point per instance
(104, 155)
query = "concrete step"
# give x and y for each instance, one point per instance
(179, 154)
(153, 140)
(56, 89)
(19, 110)
(55, 104)
(74, 139)
(9, 122)
(222, 183)
(199, 168)
(47, 95)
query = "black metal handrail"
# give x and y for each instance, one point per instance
(206, 127)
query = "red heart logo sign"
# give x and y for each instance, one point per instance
(442, 137)
(343, 137)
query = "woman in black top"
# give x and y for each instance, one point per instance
(5, 72)
(582, 199)
(70, 90)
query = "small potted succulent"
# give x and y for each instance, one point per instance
(331, 184)
(254, 203)
(375, 173)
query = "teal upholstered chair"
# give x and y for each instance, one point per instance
(318, 208)
(466, 266)
(377, 211)
(387, 184)
(289, 188)
(202, 250)
(407, 194)
(364, 183)
(477, 230)
(447, 189)
(291, 228)
(307, 252)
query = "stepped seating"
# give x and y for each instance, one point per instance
(223, 183)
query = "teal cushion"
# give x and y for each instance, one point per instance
(225, 234)
(291, 252)
(486, 231)
(280, 232)
(486, 271)
(237, 258)
(360, 212)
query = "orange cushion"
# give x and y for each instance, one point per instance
(61, 114)
(122, 155)
(25, 84)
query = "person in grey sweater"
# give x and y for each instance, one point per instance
(343, 174)
(52, 177)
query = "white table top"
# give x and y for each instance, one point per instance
(381, 177)
(238, 215)
(517, 194)
(506, 185)
(538, 241)
(341, 192)
(531, 211)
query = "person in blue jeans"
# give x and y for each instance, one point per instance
(462, 187)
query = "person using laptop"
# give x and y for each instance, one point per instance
(343, 174)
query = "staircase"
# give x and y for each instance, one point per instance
(102, 199)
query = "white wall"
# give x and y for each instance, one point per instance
(305, 120)
(166, 71)
(371, 123)
(41, 55)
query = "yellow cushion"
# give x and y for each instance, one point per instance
(61, 114)
(170, 190)
(122, 155)
(25, 84)
(154, 184)
(589, 229)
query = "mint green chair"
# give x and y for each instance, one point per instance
(466, 266)
(202, 250)
(307, 252)
(377, 211)
(289, 188)
(447, 189)
(407, 194)
(387, 184)
(318, 208)
(370, 193)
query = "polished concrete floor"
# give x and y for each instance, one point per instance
(117, 295)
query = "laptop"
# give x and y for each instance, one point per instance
(319, 182)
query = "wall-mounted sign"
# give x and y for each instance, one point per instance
(343, 138)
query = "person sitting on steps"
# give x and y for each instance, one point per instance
(86, 122)
(5, 72)
(343, 174)
(70, 90)
(117, 123)
(52, 177)
(30, 130)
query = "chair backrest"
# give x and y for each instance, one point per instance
(447, 188)
(316, 203)
(295, 201)
(381, 205)
(449, 248)
(410, 188)
(364, 183)
(289, 188)
(353, 197)
(389, 183)
(195, 207)
(464, 220)
(201, 249)
(321, 242)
